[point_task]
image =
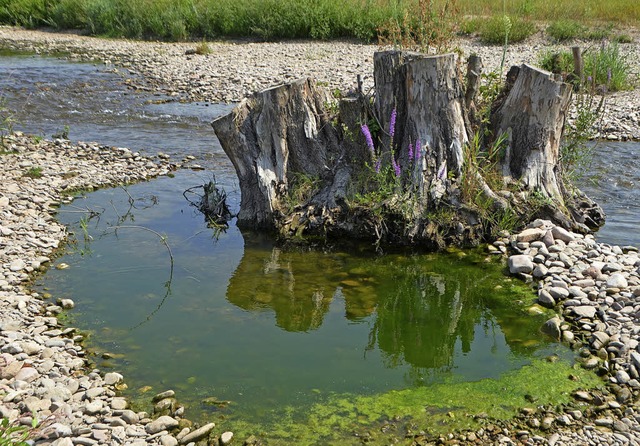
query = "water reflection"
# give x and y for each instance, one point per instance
(431, 312)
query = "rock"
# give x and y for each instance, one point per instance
(559, 293)
(198, 434)
(545, 299)
(67, 304)
(560, 233)
(552, 327)
(93, 407)
(112, 378)
(617, 280)
(520, 264)
(599, 339)
(168, 440)
(118, 403)
(160, 424)
(530, 235)
(540, 271)
(163, 395)
(226, 438)
(586, 311)
(17, 265)
(27, 374)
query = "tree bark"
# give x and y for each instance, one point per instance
(533, 116)
(272, 135)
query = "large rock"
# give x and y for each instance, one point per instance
(617, 280)
(197, 434)
(552, 327)
(160, 424)
(520, 263)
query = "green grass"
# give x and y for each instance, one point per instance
(34, 172)
(605, 68)
(319, 19)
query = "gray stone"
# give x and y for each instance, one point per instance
(112, 378)
(130, 417)
(552, 327)
(617, 280)
(560, 233)
(545, 299)
(118, 403)
(586, 311)
(530, 235)
(599, 339)
(622, 377)
(197, 434)
(559, 293)
(93, 407)
(520, 264)
(95, 392)
(540, 271)
(168, 440)
(27, 374)
(17, 265)
(160, 424)
(163, 395)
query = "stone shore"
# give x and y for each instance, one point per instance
(233, 70)
(593, 287)
(43, 371)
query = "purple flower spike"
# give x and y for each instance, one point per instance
(410, 152)
(367, 136)
(377, 167)
(392, 123)
(396, 166)
(418, 151)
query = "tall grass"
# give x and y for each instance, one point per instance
(274, 19)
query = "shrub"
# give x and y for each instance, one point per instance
(498, 28)
(563, 30)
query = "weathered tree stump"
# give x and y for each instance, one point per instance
(306, 168)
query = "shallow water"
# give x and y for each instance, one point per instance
(240, 320)
(233, 318)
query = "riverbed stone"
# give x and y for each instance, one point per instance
(520, 264)
(226, 438)
(617, 280)
(162, 423)
(586, 311)
(198, 434)
(552, 328)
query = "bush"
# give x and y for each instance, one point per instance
(605, 68)
(563, 30)
(494, 30)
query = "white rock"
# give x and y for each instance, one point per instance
(112, 378)
(520, 264)
(617, 280)
(160, 424)
(226, 438)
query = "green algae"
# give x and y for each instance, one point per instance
(436, 409)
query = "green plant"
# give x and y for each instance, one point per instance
(605, 69)
(34, 173)
(15, 435)
(565, 29)
(498, 29)
(423, 26)
(301, 189)
(203, 48)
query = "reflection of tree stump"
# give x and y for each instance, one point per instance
(304, 165)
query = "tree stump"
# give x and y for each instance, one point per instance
(306, 168)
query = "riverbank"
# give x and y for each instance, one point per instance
(44, 371)
(231, 70)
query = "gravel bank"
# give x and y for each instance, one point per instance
(233, 70)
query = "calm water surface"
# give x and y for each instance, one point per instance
(234, 318)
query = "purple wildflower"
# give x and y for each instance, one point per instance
(392, 123)
(367, 136)
(378, 163)
(396, 166)
(418, 150)
(410, 152)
